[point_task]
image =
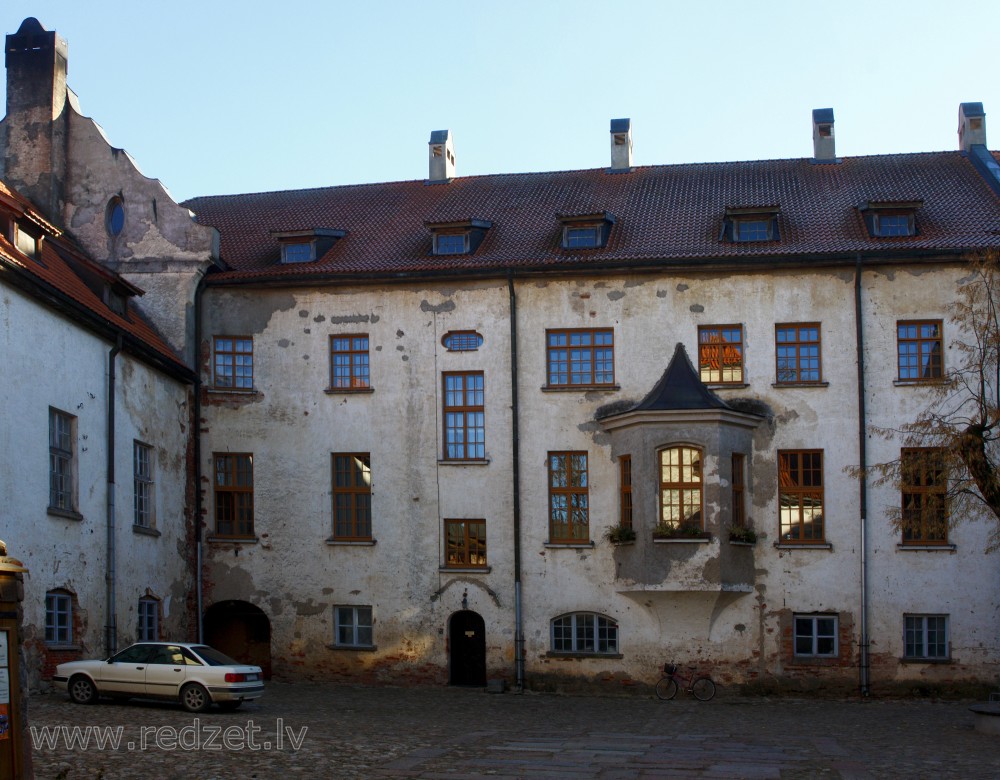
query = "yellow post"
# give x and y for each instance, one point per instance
(15, 752)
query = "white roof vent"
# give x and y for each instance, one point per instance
(621, 145)
(441, 159)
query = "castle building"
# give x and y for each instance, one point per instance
(552, 428)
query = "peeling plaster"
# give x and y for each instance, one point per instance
(697, 308)
(441, 308)
(616, 295)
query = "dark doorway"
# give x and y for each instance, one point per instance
(467, 648)
(241, 630)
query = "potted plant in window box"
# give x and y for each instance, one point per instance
(742, 534)
(680, 531)
(619, 534)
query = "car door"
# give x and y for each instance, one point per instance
(166, 671)
(125, 673)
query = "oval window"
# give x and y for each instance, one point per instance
(462, 341)
(114, 217)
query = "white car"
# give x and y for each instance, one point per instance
(195, 675)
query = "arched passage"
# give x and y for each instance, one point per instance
(467, 649)
(241, 630)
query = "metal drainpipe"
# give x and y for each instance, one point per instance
(863, 494)
(111, 624)
(516, 480)
(197, 458)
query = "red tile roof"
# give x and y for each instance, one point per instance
(668, 214)
(53, 273)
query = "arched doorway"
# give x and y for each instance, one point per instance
(241, 630)
(467, 649)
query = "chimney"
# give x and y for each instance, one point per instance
(621, 145)
(971, 125)
(441, 168)
(36, 100)
(824, 145)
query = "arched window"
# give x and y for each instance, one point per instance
(586, 633)
(681, 493)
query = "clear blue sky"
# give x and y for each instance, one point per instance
(218, 96)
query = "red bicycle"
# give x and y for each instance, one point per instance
(702, 688)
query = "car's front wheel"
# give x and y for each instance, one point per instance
(194, 698)
(82, 690)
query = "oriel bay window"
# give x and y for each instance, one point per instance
(352, 497)
(681, 493)
(465, 543)
(800, 495)
(234, 495)
(569, 498)
(464, 416)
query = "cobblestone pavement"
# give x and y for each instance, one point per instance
(456, 734)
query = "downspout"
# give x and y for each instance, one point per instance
(196, 357)
(111, 624)
(516, 488)
(863, 489)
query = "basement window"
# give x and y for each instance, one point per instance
(586, 231)
(891, 219)
(747, 225)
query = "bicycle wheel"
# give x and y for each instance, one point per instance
(666, 688)
(703, 689)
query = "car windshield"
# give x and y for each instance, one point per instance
(213, 657)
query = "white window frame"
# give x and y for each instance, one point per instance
(815, 636)
(918, 626)
(148, 613)
(354, 621)
(62, 461)
(602, 638)
(144, 498)
(58, 632)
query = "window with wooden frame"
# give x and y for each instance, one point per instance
(797, 353)
(816, 636)
(586, 633)
(750, 224)
(352, 496)
(925, 638)
(62, 465)
(924, 490)
(738, 463)
(569, 498)
(464, 416)
(349, 368)
(58, 617)
(890, 219)
(625, 485)
(353, 627)
(720, 354)
(148, 614)
(681, 493)
(234, 362)
(462, 341)
(580, 358)
(800, 496)
(142, 485)
(919, 349)
(234, 495)
(465, 543)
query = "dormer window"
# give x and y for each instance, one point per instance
(586, 231)
(457, 238)
(26, 240)
(891, 219)
(306, 246)
(750, 224)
